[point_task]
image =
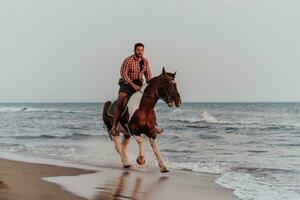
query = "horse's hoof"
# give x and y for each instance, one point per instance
(164, 170)
(126, 166)
(140, 160)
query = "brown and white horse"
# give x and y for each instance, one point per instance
(139, 116)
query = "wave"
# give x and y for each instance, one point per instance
(258, 186)
(207, 121)
(78, 136)
(213, 168)
(257, 151)
(5, 145)
(249, 183)
(31, 109)
(208, 118)
(12, 109)
(44, 136)
(207, 136)
(205, 117)
(197, 126)
(186, 120)
(178, 151)
(73, 136)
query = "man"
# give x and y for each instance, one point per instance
(132, 71)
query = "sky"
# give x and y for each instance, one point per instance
(222, 50)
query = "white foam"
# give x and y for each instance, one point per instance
(248, 187)
(186, 119)
(32, 109)
(208, 118)
(178, 110)
(205, 117)
(11, 109)
(213, 168)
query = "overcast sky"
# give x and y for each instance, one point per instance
(223, 50)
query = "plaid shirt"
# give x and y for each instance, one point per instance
(130, 69)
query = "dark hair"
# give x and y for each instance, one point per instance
(138, 45)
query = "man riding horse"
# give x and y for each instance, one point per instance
(132, 71)
(139, 116)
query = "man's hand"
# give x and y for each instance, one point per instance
(135, 87)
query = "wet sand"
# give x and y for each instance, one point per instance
(23, 181)
(144, 183)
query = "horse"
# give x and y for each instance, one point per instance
(138, 117)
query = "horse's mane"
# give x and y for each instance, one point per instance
(156, 77)
(153, 79)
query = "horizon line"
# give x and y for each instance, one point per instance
(59, 102)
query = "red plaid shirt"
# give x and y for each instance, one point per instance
(130, 69)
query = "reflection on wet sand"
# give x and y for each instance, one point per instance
(120, 188)
(3, 185)
(143, 184)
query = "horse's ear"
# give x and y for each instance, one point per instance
(174, 74)
(164, 71)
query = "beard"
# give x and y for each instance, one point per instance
(139, 55)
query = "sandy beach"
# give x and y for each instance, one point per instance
(21, 180)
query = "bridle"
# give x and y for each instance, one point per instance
(162, 85)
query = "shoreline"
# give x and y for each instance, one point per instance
(24, 180)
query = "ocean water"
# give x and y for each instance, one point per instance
(255, 147)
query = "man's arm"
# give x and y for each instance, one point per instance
(147, 73)
(124, 71)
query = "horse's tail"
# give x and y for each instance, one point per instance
(106, 118)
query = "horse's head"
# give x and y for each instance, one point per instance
(168, 89)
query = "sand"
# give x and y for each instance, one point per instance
(20, 180)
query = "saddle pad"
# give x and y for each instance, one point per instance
(132, 102)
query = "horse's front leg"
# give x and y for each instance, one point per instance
(156, 151)
(141, 157)
(118, 146)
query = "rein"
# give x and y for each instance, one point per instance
(156, 92)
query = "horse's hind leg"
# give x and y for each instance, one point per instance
(124, 144)
(156, 151)
(118, 146)
(141, 157)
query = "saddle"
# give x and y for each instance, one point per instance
(111, 108)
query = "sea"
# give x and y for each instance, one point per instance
(253, 147)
